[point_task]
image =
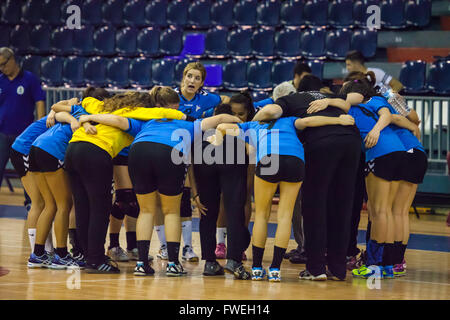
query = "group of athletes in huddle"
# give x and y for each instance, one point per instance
(325, 144)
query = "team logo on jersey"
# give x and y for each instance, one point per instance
(197, 108)
(20, 90)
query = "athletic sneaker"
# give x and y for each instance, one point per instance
(143, 269)
(258, 273)
(108, 266)
(189, 254)
(274, 275)
(289, 254)
(68, 262)
(306, 275)
(237, 269)
(175, 270)
(162, 254)
(399, 270)
(366, 272)
(133, 255)
(44, 261)
(221, 251)
(118, 254)
(213, 269)
(388, 272)
(354, 262)
(298, 258)
(79, 258)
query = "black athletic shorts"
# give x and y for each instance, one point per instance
(414, 166)
(120, 160)
(387, 167)
(43, 161)
(20, 162)
(290, 169)
(151, 169)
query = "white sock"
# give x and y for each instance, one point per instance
(49, 242)
(186, 230)
(32, 238)
(221, 235)
(161, 235)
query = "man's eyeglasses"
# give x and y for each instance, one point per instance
(2, 65)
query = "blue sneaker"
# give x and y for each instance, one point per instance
(274, 275)
(43, 261)
(67, 262)
(258, 273)
(388, 272)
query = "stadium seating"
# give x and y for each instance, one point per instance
(65, 6)
(365, 41)
(245, 12)
(104, 41)
(61, 41)
(51, 12)
(83, 40)
(177, 12)
(32, 63)
(282, 70)
(393, 14)
(291, 13)
(312, 43)
(213, 78)
(95, 71)
(40, 39)
(316, 67)
(155, 13)
(194, 45)
(259, 75)
(163, 72)
(148, 42)
(412, 76)
(337, 43)
(199, 14)
(222, 13)
(51, 71)
(4, 35)
(126, 41)
(240, 42)
(235, 75)
(92, 12)
(340, 13)
(117, 72)
(263, 42)
(268, 13)
(32, 11)
(140, 73)
(216, 46)
(315, 12)
(12, 12)
(258, 95)
(439, 77)
(287, 43)
(19, 39)
(171, 41)
(418, 13)
(73, 71)
(134, 13)
(112, 12)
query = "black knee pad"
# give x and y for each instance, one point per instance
(126, 204)
(186, 208)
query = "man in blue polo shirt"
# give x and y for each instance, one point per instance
(20, 95)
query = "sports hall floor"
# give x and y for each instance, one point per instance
(428, 270)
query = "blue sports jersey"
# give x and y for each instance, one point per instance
(366, 116)
(56, 139)
(23, 142)
(201, 105)
(262, 103)
(264, 137)
(178, 134)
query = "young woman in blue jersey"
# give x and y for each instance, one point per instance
(384, 155)
(47, 153)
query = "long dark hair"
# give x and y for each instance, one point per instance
(97, 93)
(361, 83)
(245, 98)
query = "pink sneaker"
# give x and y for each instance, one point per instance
(221, 251)
(399, 270)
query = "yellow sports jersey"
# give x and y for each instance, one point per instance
(112, 139)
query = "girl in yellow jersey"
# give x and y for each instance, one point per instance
(89, 163)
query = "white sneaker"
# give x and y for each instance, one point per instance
(189, 254)
(134, 255)
(305, 275)
(118, 254)
(162, 254)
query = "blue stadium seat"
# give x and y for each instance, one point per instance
(213, 78)
(64, 7)
(312, 42)
(163, 72)
(337, 43)
(73, 71)
(112, 12)
(412, 76)
(12, 12)
(140, 73)
(148, 42)
(32, 11)
(418, 13)
(439, 77)
(32, 63)
(19, 39)
(126, 41)
(393, 14)
(341, 13)
(61, 41)
(83, 40)
(104, 41)
(40, 39)
(240, 42)
(216, 46)
(316, 67)
(171, 41)
(282, 70)
(222, 13)
(360, 14)
(287, 43)
(155, 13)
(92, 12)
(235, 75)
(117, 72)
(193, 45)
(51, 12)
(315, 12)
(95, 71)
(268, 13)
(259, 75)
(259, 95)
(4, 35)
(245, 12)
(179, 68)
(177, 12)
(364, 41)
(51, 71)
(199, 14)
(291, 13)
(134, 13)
(263, 42)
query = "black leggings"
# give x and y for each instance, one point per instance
(231, 180)
(91, 171)
(328, 189)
